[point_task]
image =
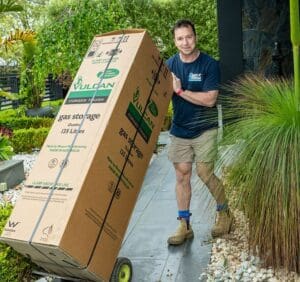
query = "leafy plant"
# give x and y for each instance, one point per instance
(30, 89)
(6, 150)
(14, 267)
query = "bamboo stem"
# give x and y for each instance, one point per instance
(296, 51)
(295, 38)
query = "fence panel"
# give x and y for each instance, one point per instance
(10, 82)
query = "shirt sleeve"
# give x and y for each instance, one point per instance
(169, 64)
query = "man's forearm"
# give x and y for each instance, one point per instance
(207, 99)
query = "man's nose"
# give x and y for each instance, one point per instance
(185, 40)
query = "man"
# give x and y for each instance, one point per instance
(194, 129)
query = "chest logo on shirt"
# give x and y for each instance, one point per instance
(195, 76)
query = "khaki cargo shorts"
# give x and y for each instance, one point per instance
(199, 149)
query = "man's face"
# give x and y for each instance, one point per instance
(185, 40)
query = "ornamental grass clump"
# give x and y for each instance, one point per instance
(265, 126)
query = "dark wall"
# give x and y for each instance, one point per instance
(230, 39)
(248, 33)
(265, 22)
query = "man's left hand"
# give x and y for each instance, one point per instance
(176, 83)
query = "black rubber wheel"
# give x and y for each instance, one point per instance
(122, 271)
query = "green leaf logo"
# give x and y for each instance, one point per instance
(109, 73)
(136, 95)
(153, 108)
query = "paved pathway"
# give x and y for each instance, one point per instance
(154, 218)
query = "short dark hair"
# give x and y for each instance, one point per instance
(183, 23)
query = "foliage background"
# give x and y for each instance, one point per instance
(65, 28)
(65, 36)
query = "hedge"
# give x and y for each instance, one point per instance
(25, 140)
(26, 122)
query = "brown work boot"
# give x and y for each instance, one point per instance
(223, 224)
(183, 232)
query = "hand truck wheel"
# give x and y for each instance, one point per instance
(122, 271)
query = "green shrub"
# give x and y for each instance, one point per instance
(14, 267)
(10, 113)
(24, 140)
(26, 122)
(20, 111)
(56, 103)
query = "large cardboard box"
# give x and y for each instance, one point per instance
(73, 212)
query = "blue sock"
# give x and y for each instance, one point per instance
(222, 207)
(184, 214)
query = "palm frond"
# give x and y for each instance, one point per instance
(18, 35)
